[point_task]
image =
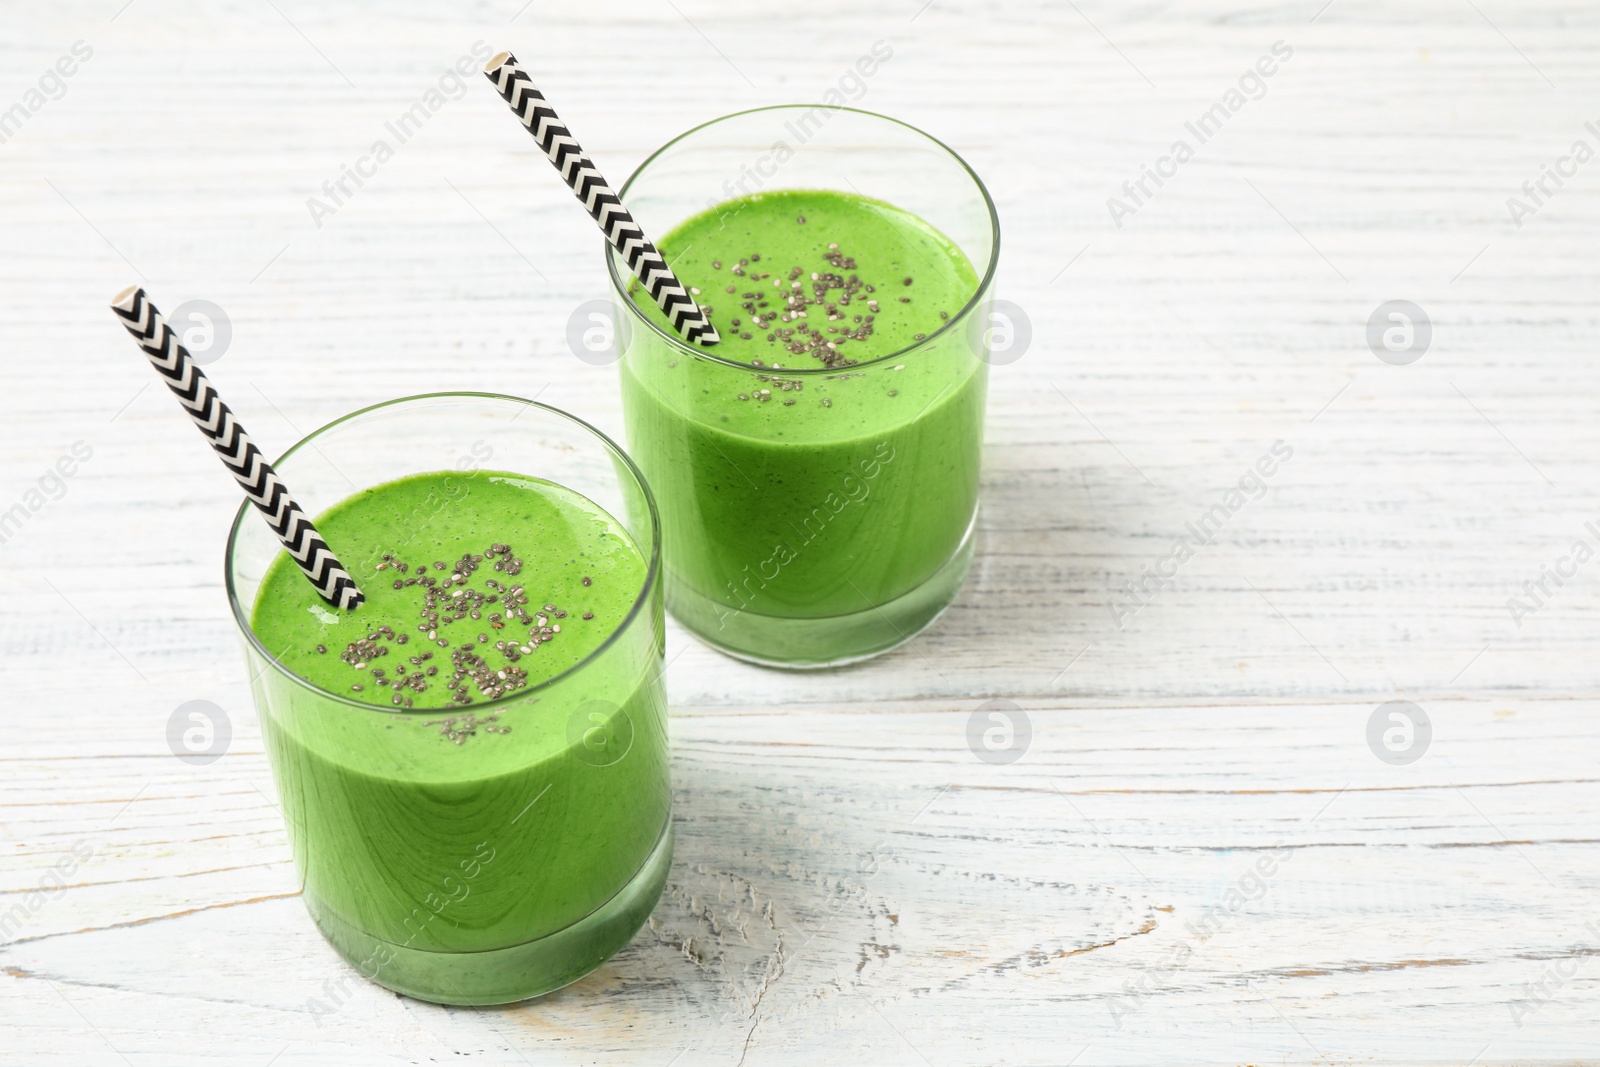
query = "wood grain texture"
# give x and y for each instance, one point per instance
(852, 884)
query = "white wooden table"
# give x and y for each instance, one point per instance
(1198, 858)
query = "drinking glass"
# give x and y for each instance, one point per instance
(523, 860)
(841, 543)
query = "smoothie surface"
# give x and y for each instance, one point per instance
(477, 584)
(823, 294)
(802, 279)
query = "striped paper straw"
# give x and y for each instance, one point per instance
(647, 264)
(194, 391)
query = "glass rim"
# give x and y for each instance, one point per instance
(651, 578)
(682, 347)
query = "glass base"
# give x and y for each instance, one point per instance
(832, 641)
(500, 976)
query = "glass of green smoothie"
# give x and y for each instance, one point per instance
(472, 764)
(817, 470)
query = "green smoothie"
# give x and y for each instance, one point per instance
(451, 785)
(814, 478)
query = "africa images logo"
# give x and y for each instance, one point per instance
(1252, 85)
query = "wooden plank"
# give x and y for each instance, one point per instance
(1200, 884)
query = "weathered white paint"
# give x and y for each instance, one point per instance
(852, 885)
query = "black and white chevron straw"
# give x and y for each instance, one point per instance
(250, 469)
(647, 264)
